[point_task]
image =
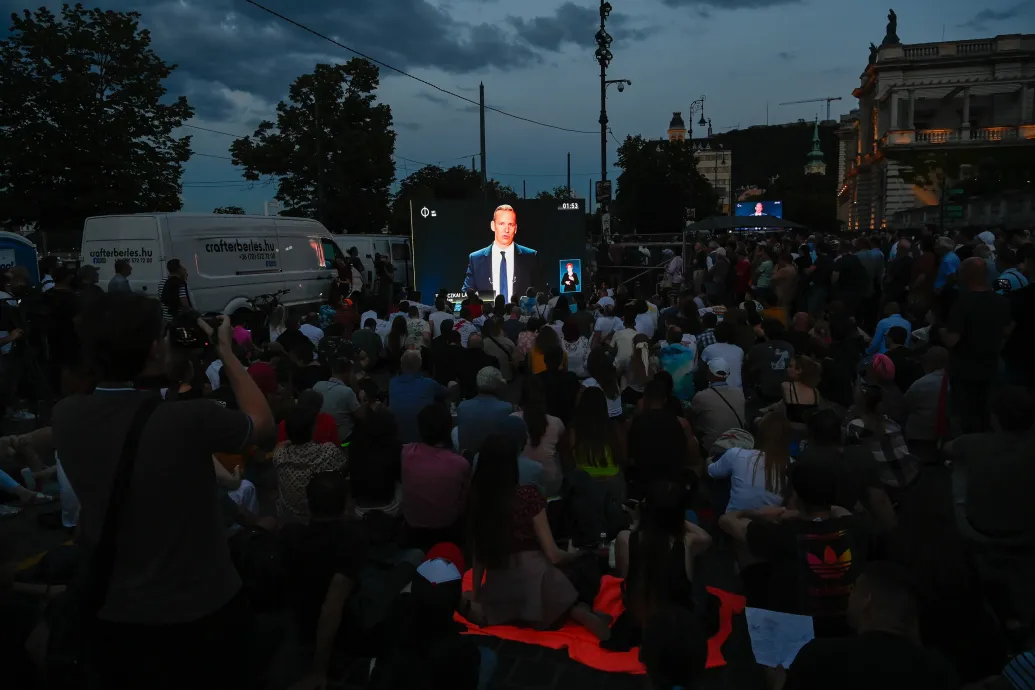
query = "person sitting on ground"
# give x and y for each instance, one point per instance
(882, 608)
(434, 481)
(656, 561)
(409, 393)
(758, 477)
(718, 408)
(478, 417)
(560, 386)
(810, 531)
(369, 342)
(725, 348)
(642, 368)
(292, 335)
(496, 344)
(325, 431)
(299, 460)
(926, 403)
(545, 431)
(908, 367)
(602, 375)
(800, 394)
(323, 560)
(516, 579)
(661, 444)
(375, 458)
(545, 339)
(339, 400)
(471, 360)
(870, 428)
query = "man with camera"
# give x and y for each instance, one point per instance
(170, 600)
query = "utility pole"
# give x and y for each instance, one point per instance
(319, 164)
(524, 190)
(481, 117)
(568, 187)
(473, 167)
(604, 56)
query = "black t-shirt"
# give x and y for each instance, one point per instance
(290, 339)
(1000, 472)
(1017, 351)
(308, 376)
(62, 338)
(857, 467)
(768, 366)
(980, 319)
(814, 566)
(561, 389)
(657, 446)
(824, 268)
(908, 367)
(871, 661)
(314, 554)
(224, 395)
(853, 279)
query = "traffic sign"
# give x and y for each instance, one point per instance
(605, 222)
(604, 192)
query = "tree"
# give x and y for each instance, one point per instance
(432, 182)
(558, 193)
(659, 181)
(229, 211)
(83, 126)
(331, 147)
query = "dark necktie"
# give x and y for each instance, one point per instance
(504, 282)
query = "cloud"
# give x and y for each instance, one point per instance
(434, 98)
(575, 24)
(730, 4)
(986, 16)
(410, 126)
(786, 55)
(236, 45)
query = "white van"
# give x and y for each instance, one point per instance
(229, 259)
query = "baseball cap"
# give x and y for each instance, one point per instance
(443, 560)
(719, 366)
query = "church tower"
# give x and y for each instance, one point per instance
(815, 165)
(676, 128)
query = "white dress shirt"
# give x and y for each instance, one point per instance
(496, 257)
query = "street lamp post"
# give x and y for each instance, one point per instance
(603, 55)
(697, 107)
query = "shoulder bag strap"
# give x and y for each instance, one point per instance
(104, 560)
(739, 420)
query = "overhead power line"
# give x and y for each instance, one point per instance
(416, 78)
(216, 131)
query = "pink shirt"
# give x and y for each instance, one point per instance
(242, 336)
(434, 486)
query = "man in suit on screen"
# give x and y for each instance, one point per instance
(759, 209)
(504, 266)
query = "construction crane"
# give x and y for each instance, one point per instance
(817, 100)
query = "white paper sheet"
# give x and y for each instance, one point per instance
(776, 638)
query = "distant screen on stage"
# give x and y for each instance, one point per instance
(760, 208)
(498, 249)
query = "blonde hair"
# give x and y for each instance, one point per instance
(503, 207)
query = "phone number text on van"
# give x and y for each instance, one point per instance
(133, 256)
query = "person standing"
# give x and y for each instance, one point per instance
(174, 601)
(120, 281)
(979, 323)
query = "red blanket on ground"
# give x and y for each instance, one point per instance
(584, 648)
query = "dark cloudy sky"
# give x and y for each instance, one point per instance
(536, 59)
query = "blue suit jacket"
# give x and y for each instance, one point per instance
(525, 270)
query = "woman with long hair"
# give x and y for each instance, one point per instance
(576, 347)
(299, 459)
(515, 551)
(544, 432)
(526, 339)
(592, 438)
(800, 394)
(602, 375)
(656, 559)
(642, 368)
(395, 343)
(758, 477)
(545, 339)
(561, 313)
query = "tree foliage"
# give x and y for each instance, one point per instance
(659, 181)
(229, 211)
(83, 129)
(556, 194)
(432, 182)
(331, 147)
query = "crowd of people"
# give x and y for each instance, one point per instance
(257, 502)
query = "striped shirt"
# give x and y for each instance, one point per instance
(166, 314)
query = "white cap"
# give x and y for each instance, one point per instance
(719, 366)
